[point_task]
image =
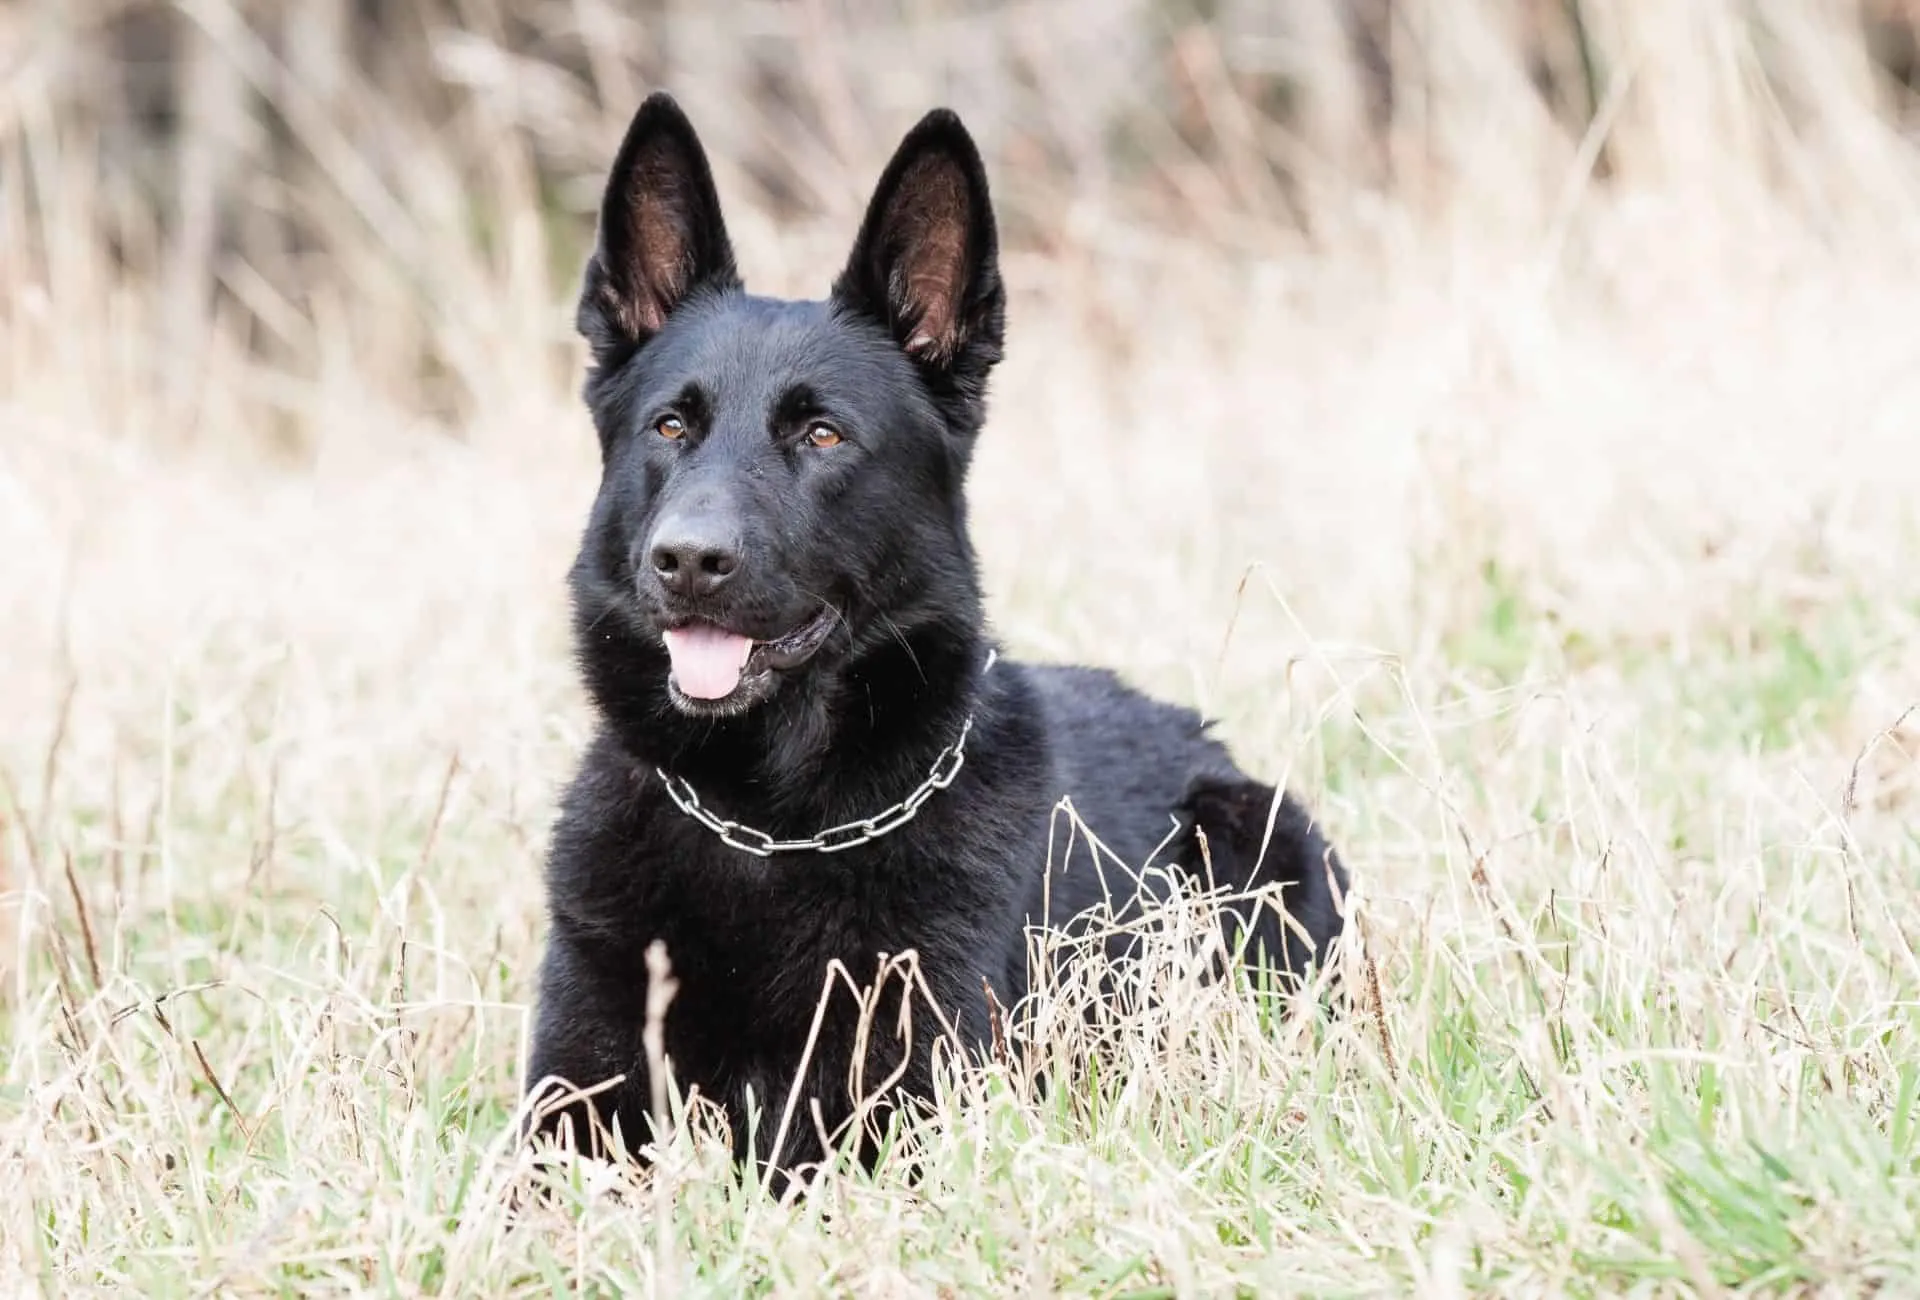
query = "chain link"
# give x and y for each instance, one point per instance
(834, 839)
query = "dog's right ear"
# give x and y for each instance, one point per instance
(926, 260)
(661, 234)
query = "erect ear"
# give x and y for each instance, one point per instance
(926, 262)
(661, 234)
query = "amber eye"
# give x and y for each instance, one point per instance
(671, 427)
(823, 435)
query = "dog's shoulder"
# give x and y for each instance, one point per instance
(610, 817)
(603, 793)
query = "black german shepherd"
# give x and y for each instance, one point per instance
(804, 753)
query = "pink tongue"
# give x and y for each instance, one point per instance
(707, 661)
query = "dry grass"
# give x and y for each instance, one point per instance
(1554, 534)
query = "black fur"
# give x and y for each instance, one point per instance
(869, 535)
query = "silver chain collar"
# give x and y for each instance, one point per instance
(748, 839)
(835, 838)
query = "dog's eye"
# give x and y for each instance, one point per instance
(671, 427)
(823, 435)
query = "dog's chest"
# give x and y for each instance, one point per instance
(759, 962)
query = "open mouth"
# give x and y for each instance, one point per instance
(709, 662)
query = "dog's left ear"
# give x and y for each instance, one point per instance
(926, 262)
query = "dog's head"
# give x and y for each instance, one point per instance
(781, 481)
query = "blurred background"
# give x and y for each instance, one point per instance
(250, 196)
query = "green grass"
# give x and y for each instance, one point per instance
(1605, 1065)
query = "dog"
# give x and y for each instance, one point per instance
(808, 755)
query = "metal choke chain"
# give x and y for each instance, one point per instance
(835, 838)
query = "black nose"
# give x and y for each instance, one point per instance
(694, 556)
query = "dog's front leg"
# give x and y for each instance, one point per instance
(587, 1081)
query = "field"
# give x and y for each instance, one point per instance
(1535, 488)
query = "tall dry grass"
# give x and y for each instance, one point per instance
(1499, 414)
